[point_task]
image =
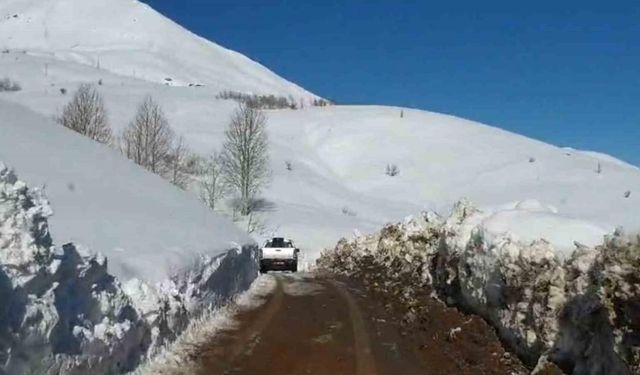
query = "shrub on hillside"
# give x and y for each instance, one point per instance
(269, 101)
(259, 101)
(9, 85)
(392, 170)
(348, 211)
(321, 103)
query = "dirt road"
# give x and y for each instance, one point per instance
(318, 325)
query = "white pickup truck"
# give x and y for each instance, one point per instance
(279, 253)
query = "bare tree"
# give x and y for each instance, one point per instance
(213, 185)
(195, 164)
(245, 158)
(255, 224)
(148, 138)
(87, 115)
(177, 164)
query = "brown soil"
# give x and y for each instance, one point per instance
(326, 325)
(450, 341)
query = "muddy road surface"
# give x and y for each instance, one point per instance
(326, 326)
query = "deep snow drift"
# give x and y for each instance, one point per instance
(169, 257)
(61, 311)
(580, 311)
(179, 357)
(64, 313)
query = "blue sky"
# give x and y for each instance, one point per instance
(565, 72)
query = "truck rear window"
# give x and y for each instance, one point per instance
(278, 242)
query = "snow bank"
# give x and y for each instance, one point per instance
(576, 309)
(529, 220)
(178, 357)
(63, 313)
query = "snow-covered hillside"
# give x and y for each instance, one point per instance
(338, 154)
(441, 159)
(170, 255)
(147, 228)
(130, 38)
(146, 258)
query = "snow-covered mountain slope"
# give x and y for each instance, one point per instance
(130, 38)
(339, 154)
(146, 228)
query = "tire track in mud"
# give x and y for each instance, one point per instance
(365, 362)
(254, 330)
(311, 325)
(232, 346)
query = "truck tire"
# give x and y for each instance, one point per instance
(294, 267)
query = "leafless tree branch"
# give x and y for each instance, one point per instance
(213, 186)
(148, 139)
(245, 159)
(87, 115)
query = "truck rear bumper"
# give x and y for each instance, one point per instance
(278, 264)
